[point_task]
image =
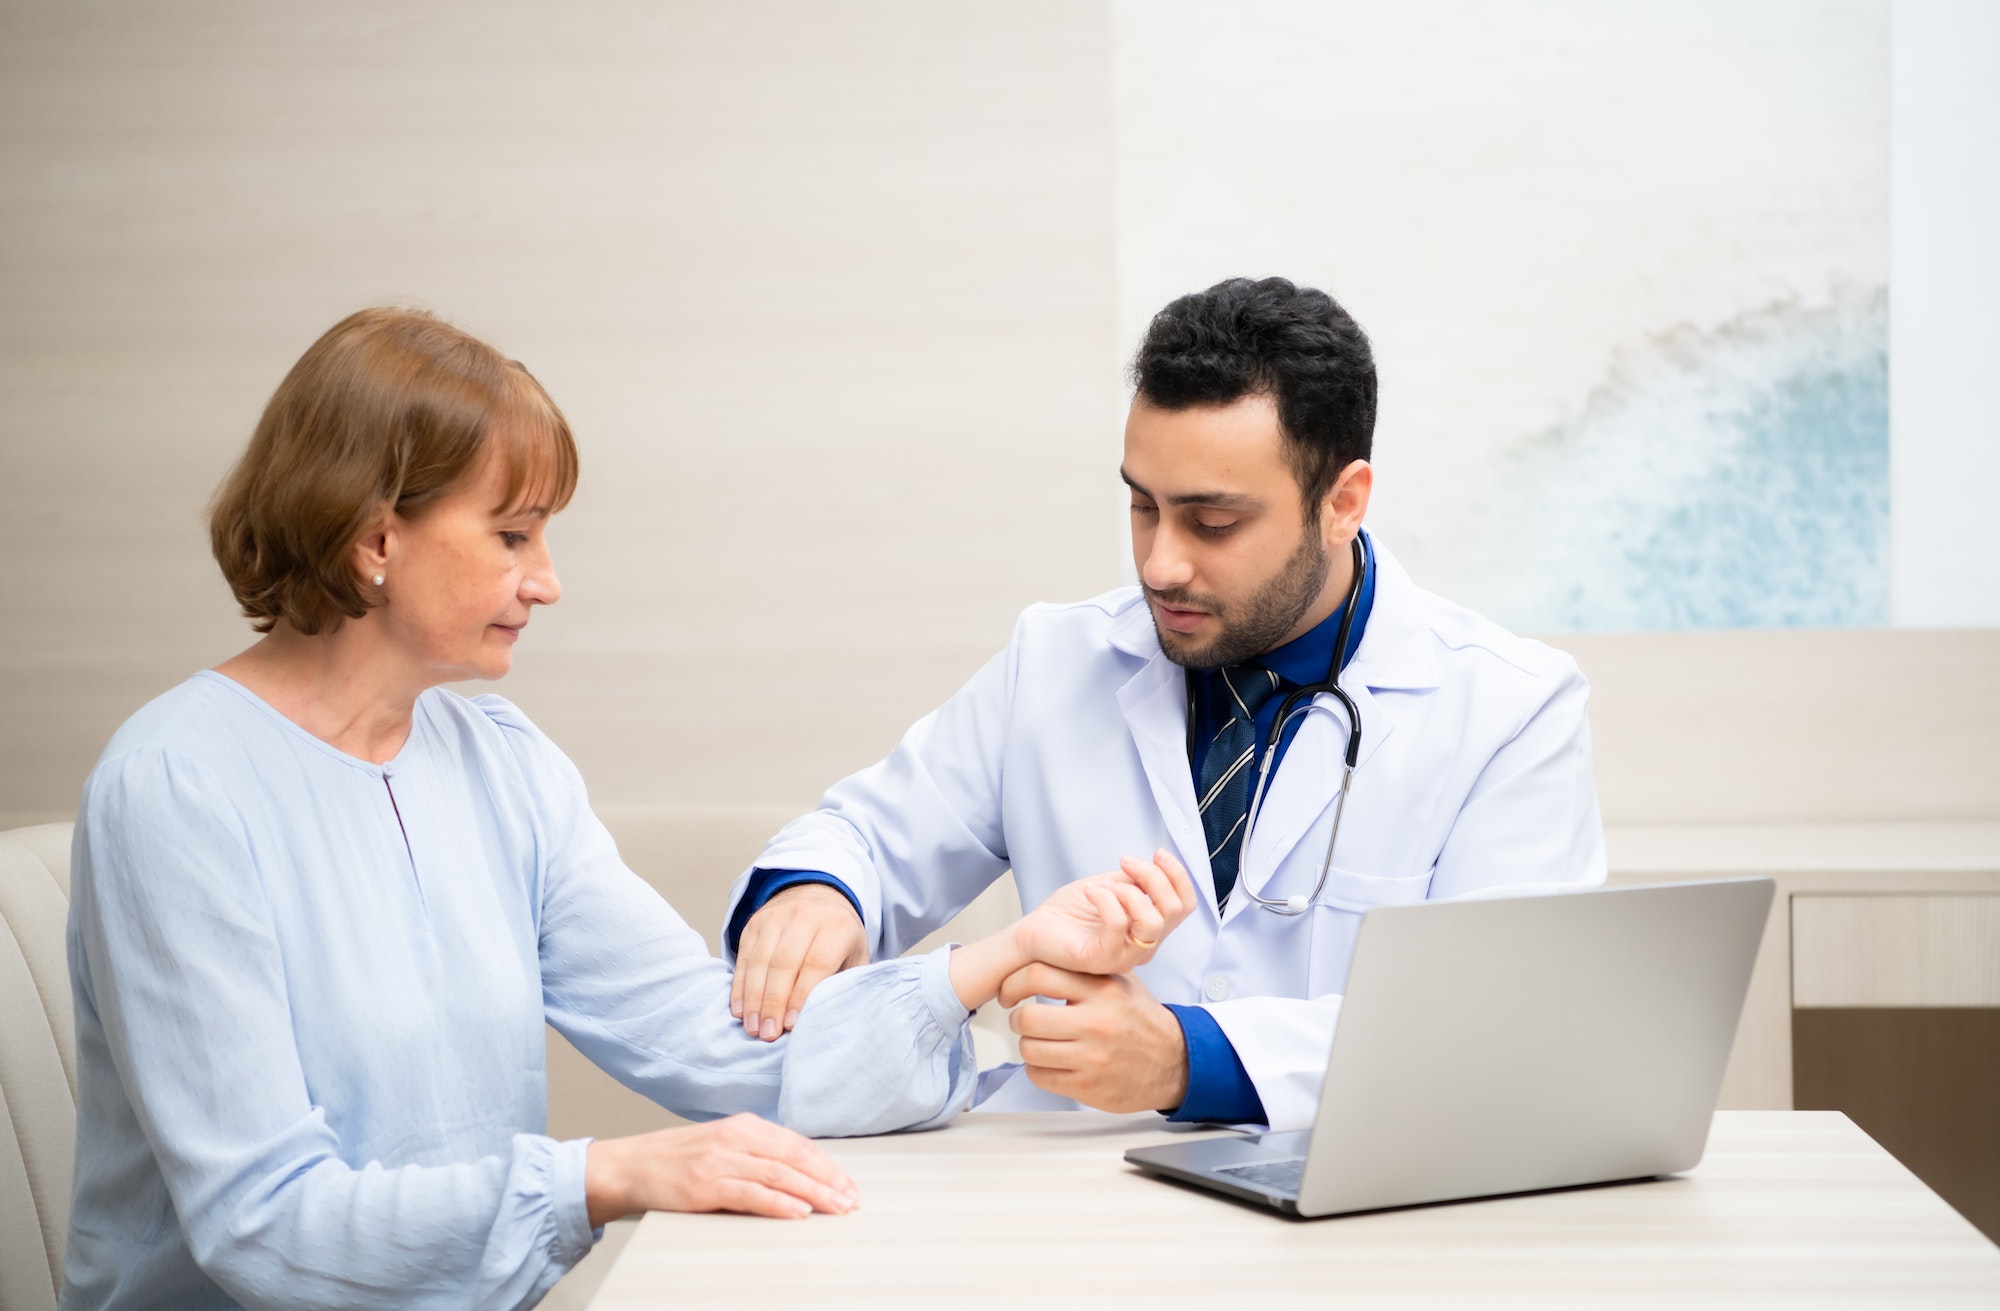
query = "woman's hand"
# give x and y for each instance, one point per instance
(742, 1163)
(1109, 923)
(1106, 924)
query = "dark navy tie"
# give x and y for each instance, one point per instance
(1228, 771)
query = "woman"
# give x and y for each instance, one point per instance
(322, 906)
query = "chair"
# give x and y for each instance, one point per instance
(37, 1065)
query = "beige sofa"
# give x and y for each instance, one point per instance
(37, 1065)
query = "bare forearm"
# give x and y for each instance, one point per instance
(978, 969)
(607, 1190)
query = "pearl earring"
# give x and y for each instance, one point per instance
(378, 580)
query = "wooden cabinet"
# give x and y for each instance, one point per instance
(1896, 1022)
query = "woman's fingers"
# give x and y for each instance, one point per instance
(1110, 910)
(1180, 880)
(1159, 889)
(759, 1199)
(781, 1177)
(752, 1160)
(801, 1154)
(1147, 924)
(742, 1163)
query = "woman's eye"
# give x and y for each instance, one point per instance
(514, 539)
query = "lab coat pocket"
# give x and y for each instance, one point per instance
(1349, 890)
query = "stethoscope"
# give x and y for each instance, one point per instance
(1302, 700)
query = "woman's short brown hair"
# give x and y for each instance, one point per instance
(391, 408)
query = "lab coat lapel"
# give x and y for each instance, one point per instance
(1398, 651)
(1154, 701)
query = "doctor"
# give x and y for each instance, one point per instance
(1142, 719)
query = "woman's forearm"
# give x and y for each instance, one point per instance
(979, 968)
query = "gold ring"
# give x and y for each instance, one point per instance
(1141, 943)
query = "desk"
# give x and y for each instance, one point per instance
(1035, 1212)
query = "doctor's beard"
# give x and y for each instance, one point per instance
(1260, 623)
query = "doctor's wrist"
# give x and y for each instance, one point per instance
(1168, 1049)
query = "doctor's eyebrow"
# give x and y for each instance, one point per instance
(1220, 500)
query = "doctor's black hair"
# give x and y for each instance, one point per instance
(1269, 337)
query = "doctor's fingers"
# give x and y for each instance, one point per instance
(753, 971)
(753, 956)
(1051, 1054)
(796, 961)
(826, 955)
(1062, 1024)
(1041, 979)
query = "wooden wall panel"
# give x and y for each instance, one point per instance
(1896, 950)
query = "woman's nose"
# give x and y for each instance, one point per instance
(541, 586)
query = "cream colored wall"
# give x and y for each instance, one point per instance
(1794, 727)
(825, 290)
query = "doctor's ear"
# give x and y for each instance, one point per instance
(1345, 504)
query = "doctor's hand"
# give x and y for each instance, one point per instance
(738, 1164)
(1111, 1047)
(788, 948)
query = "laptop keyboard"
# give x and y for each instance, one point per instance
(1281, 1177)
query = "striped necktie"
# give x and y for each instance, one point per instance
(1229, 769)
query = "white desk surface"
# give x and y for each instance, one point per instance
(1025, 1212)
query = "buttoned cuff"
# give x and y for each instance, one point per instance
(571, 1201)
(940, 997)
(1219, 1090)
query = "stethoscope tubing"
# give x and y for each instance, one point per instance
(1303, 700)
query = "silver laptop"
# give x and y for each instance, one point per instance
(1510, 1045)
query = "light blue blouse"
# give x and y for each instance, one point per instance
(309, 1003)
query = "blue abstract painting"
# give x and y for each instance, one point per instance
(1731, 478)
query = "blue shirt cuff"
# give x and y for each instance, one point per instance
(1219, 1090)
(765, 884)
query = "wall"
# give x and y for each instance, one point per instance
(825, 291)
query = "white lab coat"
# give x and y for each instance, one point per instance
(1069, 750)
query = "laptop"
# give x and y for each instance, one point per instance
(1507, 1046)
